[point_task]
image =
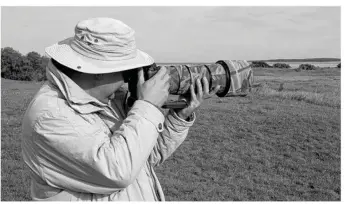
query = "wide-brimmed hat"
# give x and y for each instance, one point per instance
(100, 45)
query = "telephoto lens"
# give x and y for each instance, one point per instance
(235, 78)
(229, 74)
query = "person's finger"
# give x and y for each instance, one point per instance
(199, 88)
(167, 85)
(205, 86)
(192, 93)
(166, 77)
(166, 81)
(161, 73)
(141, 78)
(215, 90)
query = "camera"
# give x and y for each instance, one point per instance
(235, 78)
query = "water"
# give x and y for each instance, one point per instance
(318, 64)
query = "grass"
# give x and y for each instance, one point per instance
(323, 99)
(282, 142)
(15, 96)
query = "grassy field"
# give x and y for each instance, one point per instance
(282, 142)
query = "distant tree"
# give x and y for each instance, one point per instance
(15, 66)
(42, 71)
(44, 61)
(39, 64)
(34, 59)
(260, 64)
(281, 65)
(11, 62)
(339, 65)
(307, 67)
(11, 59)
(26, 73)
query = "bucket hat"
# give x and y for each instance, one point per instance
(100, 45)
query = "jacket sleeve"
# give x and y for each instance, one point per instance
(174, 133)
(96, 162)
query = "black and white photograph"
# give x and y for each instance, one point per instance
(171, 103)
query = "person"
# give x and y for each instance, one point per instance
(80, 140)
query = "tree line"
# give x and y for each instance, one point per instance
(32, 66)
(29, 67)
(264, 64)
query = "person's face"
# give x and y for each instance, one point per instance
(109, 83)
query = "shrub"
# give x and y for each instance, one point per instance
(339, 65)
(260, 64)
(281, 65)
(307, 67)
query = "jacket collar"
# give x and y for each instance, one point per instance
(76, 97)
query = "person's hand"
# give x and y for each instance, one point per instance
(156, 89)
(194, 100)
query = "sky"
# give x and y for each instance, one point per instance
(189, 34)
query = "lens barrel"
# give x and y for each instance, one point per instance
(229, 74)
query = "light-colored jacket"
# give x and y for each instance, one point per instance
(78, 148)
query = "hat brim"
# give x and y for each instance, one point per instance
(64, 54)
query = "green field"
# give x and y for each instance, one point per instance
(282, 142)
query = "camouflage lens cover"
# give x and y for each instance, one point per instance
(241, 75)
(182, 76)
(218, 77)
(231, 75)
